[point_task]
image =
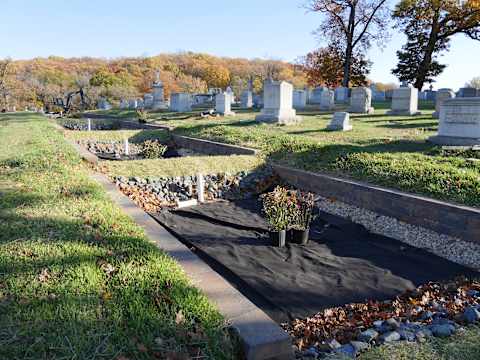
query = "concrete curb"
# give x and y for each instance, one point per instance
(261, 337)
(458, 221)
(211, 147)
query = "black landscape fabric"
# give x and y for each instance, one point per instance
(342, 263)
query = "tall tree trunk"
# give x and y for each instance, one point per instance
(349, 50)
(427, 55)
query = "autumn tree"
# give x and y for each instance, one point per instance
(353, 26)
(5, 73)
(323, 67)
(430, 26)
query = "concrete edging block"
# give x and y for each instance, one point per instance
(446, 218)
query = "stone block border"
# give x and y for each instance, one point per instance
(211, 147)
(260, 336)
(457, 221)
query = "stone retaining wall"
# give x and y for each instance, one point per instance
(458, 221)
(211, 147)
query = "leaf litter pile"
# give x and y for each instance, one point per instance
(345, 323)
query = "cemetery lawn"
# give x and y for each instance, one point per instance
(385, 150)
(78, 278)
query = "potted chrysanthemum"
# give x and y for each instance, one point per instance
(279, 207)
(300, 226)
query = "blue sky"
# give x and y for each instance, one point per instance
(278, 29)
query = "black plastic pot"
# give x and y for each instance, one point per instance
(299, 236)
(278, 238)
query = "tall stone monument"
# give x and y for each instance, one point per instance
(278, 104)
(180, 102)
(247, 99)
(327, 100)
(361, 101)
(223, 104)
(442, 95)
(404, 101)
(459, 123)
(158, 94)
(299, 99)
(230, 93)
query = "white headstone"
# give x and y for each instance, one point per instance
(404, 101)
(230, 93)
(361, 101)
(123, 104)
(442, 95)
(126, 147)
(340, 121)
(247, 99)
(278, 103)
(341, 94)
(223, 104)
(181, 102)
(327, 100)
(158, 101)
(89, 124)
(299, 99)
(459, 123)
(140, 104)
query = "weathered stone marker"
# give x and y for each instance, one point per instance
(341, 94)
(89, 124)
(299, 99)
(327, 100)
(148, 101)
(180, 102)
(247, 99)
(361, 101)
(223, 104)
(158, 94)
(459, 123)
(132, 104)
(278, 104)
(201, 188)
(340, 121)
(404, 102)
(442, 95)
(126, 147)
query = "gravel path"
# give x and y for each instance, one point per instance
(453, 249)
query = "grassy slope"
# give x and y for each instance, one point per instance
(382, 149)
(79, 279)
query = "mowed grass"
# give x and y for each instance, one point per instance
(78, 279)
(464, 346)
(384, 150)
(190, 165)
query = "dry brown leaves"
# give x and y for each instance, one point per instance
(346, 322)
(145, 199)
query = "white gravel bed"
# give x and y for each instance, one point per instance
(448, 247)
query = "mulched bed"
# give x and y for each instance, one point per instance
(344, 263)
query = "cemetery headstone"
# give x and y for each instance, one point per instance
(103, 104)
(340, 121)
(223, 104)
(132, 104)
(459, 123)
(327, 100)
(404, 101)
(278, 104)
(180, 102)
(230, 93)
(158, 94)
(467, 92)
(148, 101)
(361, 101)
(247, 99)
(442, 95)
(299, 99)
(123, 104)
(341, 94)
(316, 95)
(140, 104)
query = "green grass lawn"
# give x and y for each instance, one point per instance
(384, 150)
(78, 279)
